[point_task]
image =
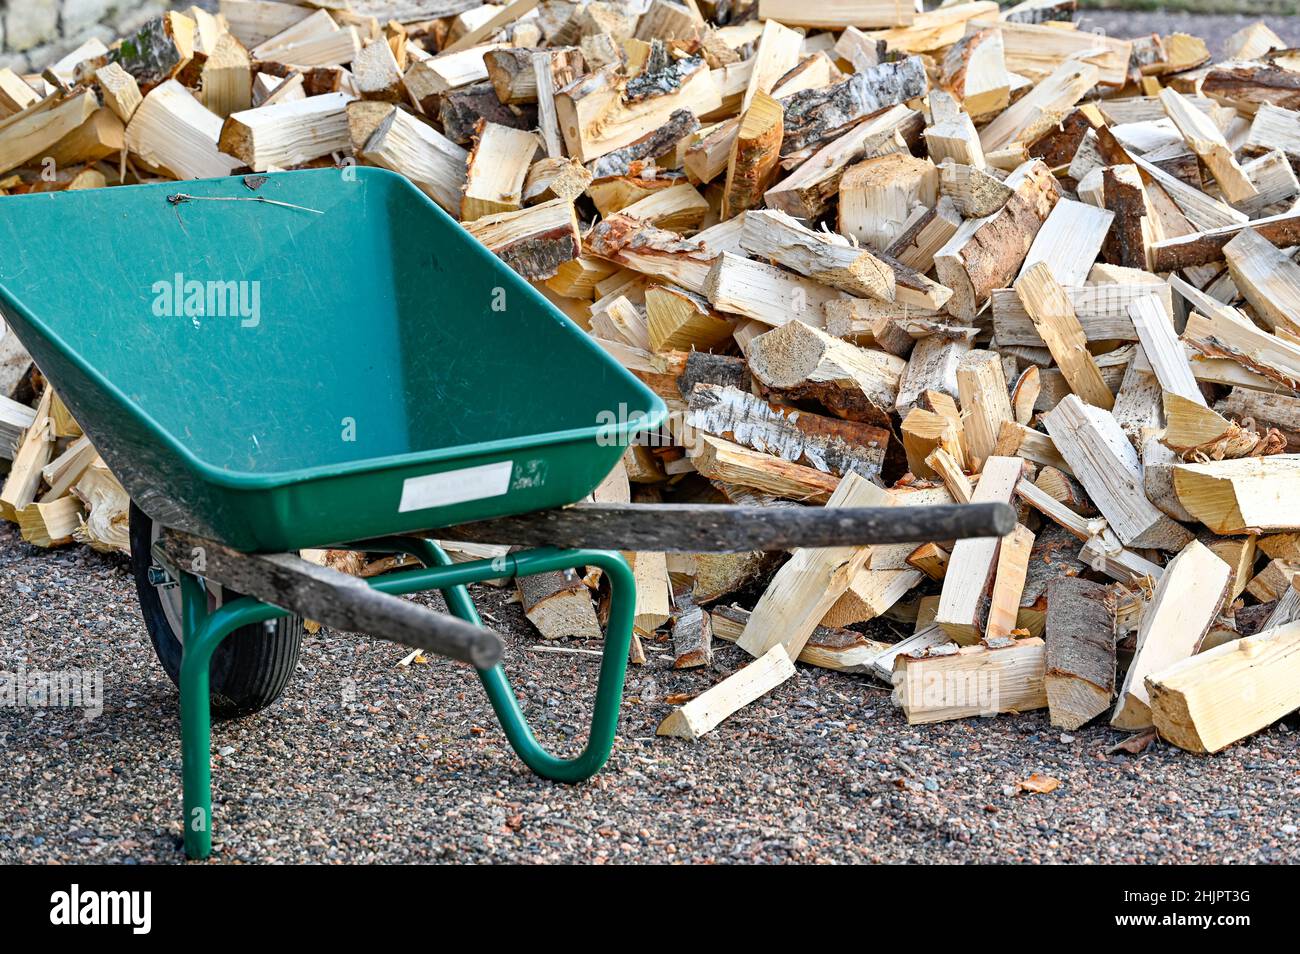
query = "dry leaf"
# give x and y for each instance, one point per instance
(1134, 744)
(1039, 784)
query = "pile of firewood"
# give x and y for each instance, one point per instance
(869, 256)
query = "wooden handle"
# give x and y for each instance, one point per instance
(335, 599)
(705, 528)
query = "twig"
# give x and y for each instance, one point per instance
(180, 197)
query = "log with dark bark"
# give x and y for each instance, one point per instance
(1080, 667)
(816, 115)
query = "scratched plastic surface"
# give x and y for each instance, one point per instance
(273, 377)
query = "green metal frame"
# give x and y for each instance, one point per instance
(204, 631)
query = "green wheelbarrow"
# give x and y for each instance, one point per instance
(324, 358)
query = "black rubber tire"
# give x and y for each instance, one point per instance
(251, 667)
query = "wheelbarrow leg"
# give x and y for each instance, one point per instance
(613, 666)
(609, 688)
(204, 632)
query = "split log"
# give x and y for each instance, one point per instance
(973, 681)
(32, 453)
(679, 319)
(376, 73)
(841, 13)
(1275, 128)
(975, 192)
(1069, 241)
(1101, 309)
(659, 141)
(975, 73)
(777, 52)
(1042, 106)
(928, 232)
(1035, 51)
(1080, 665)
(1268, 278)
(119, 89)
(707, 710)
(596, 119)
(1254, 84)
(945, 464)
(1203, 248)
(227, 80)
(256, 21)
(533, 241)
(556, 179)
(496, 170)
(461, 110)
(807, 191)
(954, 137)
(435, 164)
(810, 583)
(1247, 495)
(653, 591)
(870, 594)
(931, 559)
(742, 286)
(693, 639)
(1107, 465)
(730, 463)
(14, 419)
(932, 366)
(1207, 702)
(16, 95)
(1162, 349)
(816, 115)
(878, 196)
(1223, 336)
(1275, 182)
(1009, 582)
(1186, 602)
(824, 443)
(1273, 581)
(559, 605)
(823, 257)
(657, 253)
(1055, 321)
(923, 433)
(100, 136)
(1104, 555)
(842, 650)
(64, 471)
(50, 524)
(287, 134)
(159, 49)
(964, 601)
(805, 362)
(1206, 140)
(27, 135)
(985, 402)
(755, 155)
(986, 253)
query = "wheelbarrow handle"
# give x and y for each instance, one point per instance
(332, 598)
(709, 528)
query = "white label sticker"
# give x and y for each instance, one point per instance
(455, 486)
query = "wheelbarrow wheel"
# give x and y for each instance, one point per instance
(251, 667)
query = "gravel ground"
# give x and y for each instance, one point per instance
(365, 761)
(1213, 28)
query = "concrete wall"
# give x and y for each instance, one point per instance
(35, 33)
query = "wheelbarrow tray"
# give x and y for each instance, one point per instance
(277, 378)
